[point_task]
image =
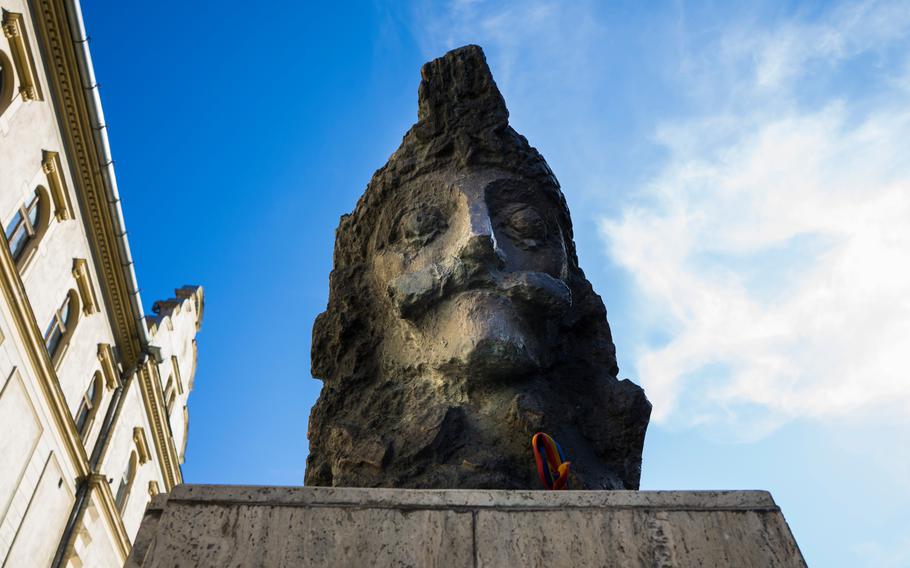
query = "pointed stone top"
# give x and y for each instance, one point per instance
(457, 91)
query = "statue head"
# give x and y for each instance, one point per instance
(459, 322)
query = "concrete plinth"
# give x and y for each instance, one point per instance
(210, 525)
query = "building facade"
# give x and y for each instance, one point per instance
(93, 394)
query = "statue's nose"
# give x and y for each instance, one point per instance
(479, 245)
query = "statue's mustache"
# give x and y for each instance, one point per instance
(414, 293)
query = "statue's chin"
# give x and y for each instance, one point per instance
(493, 358)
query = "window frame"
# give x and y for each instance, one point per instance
(170, 396)
(90, 404)
(122, 496)
(39, 199)
(8, 78)
(67, 328)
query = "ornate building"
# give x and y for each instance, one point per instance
(93, 393)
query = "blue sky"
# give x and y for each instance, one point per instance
(738, 174)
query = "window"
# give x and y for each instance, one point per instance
(23, 226)
(126, 481)
(61, 327)
(170, 395)
(27, 226)
(6, 82)
(91, 400)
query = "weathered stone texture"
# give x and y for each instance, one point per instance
(222, 526)
(459, 322)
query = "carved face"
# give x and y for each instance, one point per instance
(473, 266)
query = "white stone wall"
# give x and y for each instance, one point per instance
(33, 507)
(39, 477)
(175, 335)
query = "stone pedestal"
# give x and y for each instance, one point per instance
(211, 525)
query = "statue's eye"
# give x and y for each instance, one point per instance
(420, 226)
(525, 224)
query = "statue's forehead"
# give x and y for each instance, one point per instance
(472, 182)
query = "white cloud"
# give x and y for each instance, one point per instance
(771, 247)
(510, 28)
(880, 556)
(776, 239)
(783, 52)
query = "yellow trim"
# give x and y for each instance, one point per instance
(14, 30)
(142, 445)
(50, 163)
(86, 290)
(108, 367)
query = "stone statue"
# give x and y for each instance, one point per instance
(459, 322)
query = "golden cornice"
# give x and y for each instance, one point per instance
(68, 89)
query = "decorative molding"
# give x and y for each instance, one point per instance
(153, 399)
(153, 488)
(14, 30)
(50, 163)
(108, 366)
(86, 290)
(142, 445)
(67, 89)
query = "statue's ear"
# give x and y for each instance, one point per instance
(340, 342)
(588, 329)
(324, 351)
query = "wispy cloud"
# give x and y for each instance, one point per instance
(776, 240)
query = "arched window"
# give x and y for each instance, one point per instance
(61, 327)
(126, 481)
(6, 82)
(28, 225)
(88, 408)
(170, 395)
